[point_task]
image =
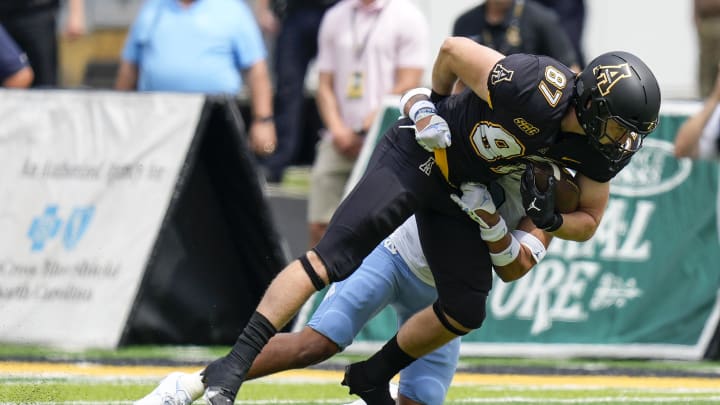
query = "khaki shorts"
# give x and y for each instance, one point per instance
(330, 172)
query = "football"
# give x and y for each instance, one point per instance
(567, 192)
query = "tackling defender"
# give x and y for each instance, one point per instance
(517, 107)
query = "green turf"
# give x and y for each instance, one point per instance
(67, 391)
(90, 391)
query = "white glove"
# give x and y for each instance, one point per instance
(436, 135)
(475, 196)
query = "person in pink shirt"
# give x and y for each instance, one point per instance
(367, 49)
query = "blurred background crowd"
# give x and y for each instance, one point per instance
(264, 51)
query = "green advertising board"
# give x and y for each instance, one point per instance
(645, 286)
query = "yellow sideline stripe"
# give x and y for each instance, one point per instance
(96, 370)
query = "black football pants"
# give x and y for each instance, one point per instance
(401, 179)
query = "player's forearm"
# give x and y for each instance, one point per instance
(578, 226)
(581, 225)
(465, 60)
(515, 269)
(518, 268)
(533, 243)
(443, 74)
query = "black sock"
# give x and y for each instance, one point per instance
(253, 338)
(228, 372)
(388, 362)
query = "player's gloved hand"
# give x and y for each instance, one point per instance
(434, 135)
(475, 196)
(539, 206)
(431, 130)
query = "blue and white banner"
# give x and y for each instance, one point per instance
(86, 179)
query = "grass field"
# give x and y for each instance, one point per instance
(42, 376)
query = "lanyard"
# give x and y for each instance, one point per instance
(359, 47)
(512, 36)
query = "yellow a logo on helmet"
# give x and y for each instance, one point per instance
(608, 76)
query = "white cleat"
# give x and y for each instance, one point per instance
(170, 391)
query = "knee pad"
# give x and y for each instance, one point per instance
(317, 282)
(428, 390)
(467, 316)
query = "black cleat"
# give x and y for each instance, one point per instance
(223, 380)
(358, 383)
(218, 396)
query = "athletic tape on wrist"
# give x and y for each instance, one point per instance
(421, 109)
(508, 255)
(424, 112)
(537, 248)
(495, 232)
(410, 94)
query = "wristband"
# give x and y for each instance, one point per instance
(508, 255)
(537, 248)
(423, 112)
(495, 232)
(421, 109)
(410, 94)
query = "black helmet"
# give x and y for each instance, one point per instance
(618, 86)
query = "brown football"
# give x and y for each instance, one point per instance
(567, 192)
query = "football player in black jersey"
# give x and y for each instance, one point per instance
(515, 110)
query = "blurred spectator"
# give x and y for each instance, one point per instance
(298, 23)
(699, 136)
(517, 26)
(707, 24)
(33, 25)
(367, 50)
(201, 46)
(572, 19)
(15, 71)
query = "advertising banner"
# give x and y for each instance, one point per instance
(646, 285)
(86, 181)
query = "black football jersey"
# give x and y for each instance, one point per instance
(529, 95)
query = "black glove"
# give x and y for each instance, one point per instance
(540, 207)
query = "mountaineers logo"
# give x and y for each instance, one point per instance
(608, 76)
(499, 74)
(427, 166)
